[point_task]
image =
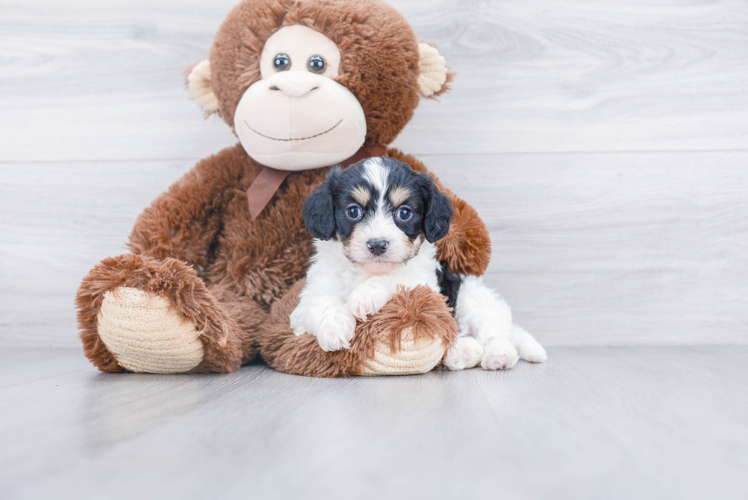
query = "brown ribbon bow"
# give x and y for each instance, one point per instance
(270, 179)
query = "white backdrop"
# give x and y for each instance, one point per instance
(605, 144)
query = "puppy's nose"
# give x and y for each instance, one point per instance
(377, 247)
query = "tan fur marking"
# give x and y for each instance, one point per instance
(361, 195)
(415, 246)
(399, 195)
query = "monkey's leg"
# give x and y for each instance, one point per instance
(141, 314)
(409, 335)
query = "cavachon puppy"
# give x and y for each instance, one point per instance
(375, 225)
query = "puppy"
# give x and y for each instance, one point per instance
(375, 225)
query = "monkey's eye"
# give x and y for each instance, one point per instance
(282, 62)
(316, 64)
(354, 212)
(404, 213)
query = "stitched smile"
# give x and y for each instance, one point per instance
(297, 139)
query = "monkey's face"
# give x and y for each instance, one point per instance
(306, 83)
(297, 117)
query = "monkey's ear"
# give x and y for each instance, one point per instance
(198, 80)
(434, 75)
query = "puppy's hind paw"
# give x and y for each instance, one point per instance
(534, 353)
(465, 353)
(529, 349)
(499, 355)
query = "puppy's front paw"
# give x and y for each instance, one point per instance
(336, 329)
(499, 355)
(367, 299)
(465, 353)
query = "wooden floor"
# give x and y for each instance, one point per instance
(594, 422)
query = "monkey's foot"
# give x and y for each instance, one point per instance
(144, 315)
(419, 355)
(408, 336)
(146, 334)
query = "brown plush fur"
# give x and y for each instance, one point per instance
(238, 278)
(223, 341)
(420, 309)
(379, 52)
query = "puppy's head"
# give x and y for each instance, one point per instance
(380, 210)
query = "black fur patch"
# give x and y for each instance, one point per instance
(449, 285)
(439, 215)
(318, 209)
(325, 210)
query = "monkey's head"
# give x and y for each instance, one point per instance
(306, 83)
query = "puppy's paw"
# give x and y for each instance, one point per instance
(336, 329)
(465, 353)
(367, 299)
(529, 349)
(533, 352)
(296, 320)
(499, 355)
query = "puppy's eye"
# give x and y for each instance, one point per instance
(316, 64)
(354, 212)
(404, 213)
(282, 62)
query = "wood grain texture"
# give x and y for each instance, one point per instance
(644, 248)
(103, 80)
(604, 143)
(643, 422)
(594, 249)
(617, 247)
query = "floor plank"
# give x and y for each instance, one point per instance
(620, 422)
(104, 80)
(589, 249)
(21, 365)
(549, 131)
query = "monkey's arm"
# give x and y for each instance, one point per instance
(467, 247)
(183, 222)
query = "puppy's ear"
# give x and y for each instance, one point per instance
(438, 214)
(318, 210)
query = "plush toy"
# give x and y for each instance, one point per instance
(218, 261)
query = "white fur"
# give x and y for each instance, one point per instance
(348, 284)
(484, 316)
(379, 226)
(338, 292)
(376, 173)
(466, 352)
(528, 348)
(337, 287)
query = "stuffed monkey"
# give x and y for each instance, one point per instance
(218, 260)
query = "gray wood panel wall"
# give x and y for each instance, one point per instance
(604, 143)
